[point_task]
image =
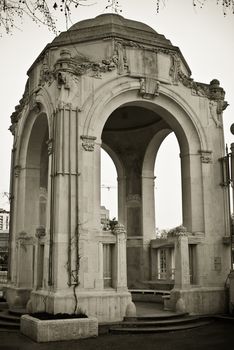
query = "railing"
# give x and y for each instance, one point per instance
(166, 274)
(3, 277)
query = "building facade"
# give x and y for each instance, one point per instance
(114, 83)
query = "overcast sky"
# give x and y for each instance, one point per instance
(205, 38)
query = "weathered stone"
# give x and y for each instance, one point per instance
(67, 329)
(114, 83)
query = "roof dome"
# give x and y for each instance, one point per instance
(113, 19)
(111, 25)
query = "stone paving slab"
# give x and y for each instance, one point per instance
(216, 336)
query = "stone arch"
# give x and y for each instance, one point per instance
(26, 125)
(181, 119)
(125, 90)
(31, 158)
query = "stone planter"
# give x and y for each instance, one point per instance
(54, 330)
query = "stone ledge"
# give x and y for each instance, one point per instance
(54, 330)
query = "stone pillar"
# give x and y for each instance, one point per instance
(64, 200)
(148, 221)
(121, 199)
(182, 278)
(121, 263)
(192, 196)
(90, 272)
(148, 208)
(15, 175)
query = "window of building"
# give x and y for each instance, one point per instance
(40, 267)
(162, 264)
(107, 265)
(192, 261)
(7, 222)
(1, 222)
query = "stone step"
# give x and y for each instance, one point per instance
(5, 315)
(135, 330)
(162, 323)
(17, 312)
(155, 317)
(3, 305)
(8, 330)
(9, 325)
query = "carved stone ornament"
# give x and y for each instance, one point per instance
(177, 231)
(181, 234)
(16, 115)
(23, 237)
(149, 88)
(33, 103)
(213, 91)
(175, 68)
(67, 67)
(119, 229)
(214, 115)
(23, 240)
(17, 170)
(40, 232)
(206, 156)
(50, 146)
(88, 142)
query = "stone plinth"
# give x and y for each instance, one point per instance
(200, 300)
(67, 329)
(106, 306)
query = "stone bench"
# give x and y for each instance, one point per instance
(150, 295)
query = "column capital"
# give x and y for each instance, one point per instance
(88, 142)
(119, 229)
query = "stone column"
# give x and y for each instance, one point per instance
(89, 204)
(64, 222)
(192, 195)
(148, 221)
(121, 263)
(148, 208)
(15, 174)
(182, 278)
(121, 199)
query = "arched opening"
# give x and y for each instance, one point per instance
(109, 188)
(36, 175)
(127, 133)
(134, 132)
(36, 193)
(168, 192)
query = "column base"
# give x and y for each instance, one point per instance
(200, 300)
(106, 306)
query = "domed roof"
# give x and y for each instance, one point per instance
(111, 18)
(111, 25)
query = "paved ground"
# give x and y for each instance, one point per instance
(216, 336)
(219, 335)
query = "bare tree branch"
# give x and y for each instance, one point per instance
(14, 12)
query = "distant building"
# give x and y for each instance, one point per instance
(4, 236)
(105, 216)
